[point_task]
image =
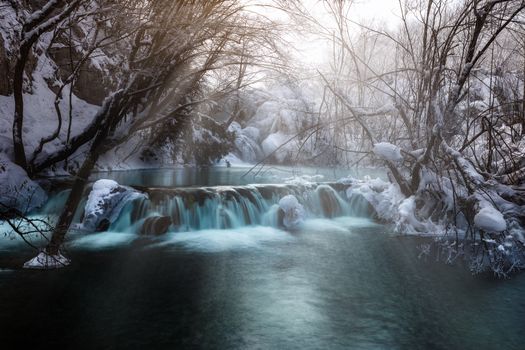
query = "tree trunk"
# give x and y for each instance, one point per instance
(523, 95)
(71, 206)
(99, 146)
(18, 119)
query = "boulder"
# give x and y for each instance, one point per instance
(291, 213)
(104, 204)
(328, 201)
(155, 225)
(103, 225)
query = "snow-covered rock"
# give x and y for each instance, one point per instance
(293, 211)
(17, 190)
(387, 151)
(489, 219)
(105, 202)
(391, 205)
(44, 261)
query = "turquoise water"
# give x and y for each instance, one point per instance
(217, 176)
(340, 282)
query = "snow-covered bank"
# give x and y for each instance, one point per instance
(17, 190)
(391, 206)
(488, 229)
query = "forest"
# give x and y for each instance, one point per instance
(203, 133)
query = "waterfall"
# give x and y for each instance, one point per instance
(227, 207)
(223, 207)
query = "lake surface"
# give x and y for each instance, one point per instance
(340, 283)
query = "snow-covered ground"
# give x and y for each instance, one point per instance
(17, 190)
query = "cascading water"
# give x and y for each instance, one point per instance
(221, 207)
(184, 209)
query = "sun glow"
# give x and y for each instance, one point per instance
(313, 49)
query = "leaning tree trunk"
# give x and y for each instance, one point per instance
(72, 202)
(97, 148)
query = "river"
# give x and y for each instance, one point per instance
(341, 282)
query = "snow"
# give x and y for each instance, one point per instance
(17, 190)
(407, 215)
(44, 261)
(392, 206)
(346, 180)
(38, 14)
(303, 180)
(267, 115)
(431, 180)
(388, 151)
(105, 201)
(276, 114)
(40, 118)
(246, 142)
(232, 160)
(489, 219)
(387, 108)
(272, 146)
(293, 212)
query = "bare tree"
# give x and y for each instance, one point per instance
(442, 50)
(33, 26)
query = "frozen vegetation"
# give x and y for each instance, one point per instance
(388, 151)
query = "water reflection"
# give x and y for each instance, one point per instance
(220, 176)
(350, 286)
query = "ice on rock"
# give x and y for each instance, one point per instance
(105, 201)
(388, 151)
(293, 211)
(489, 219)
